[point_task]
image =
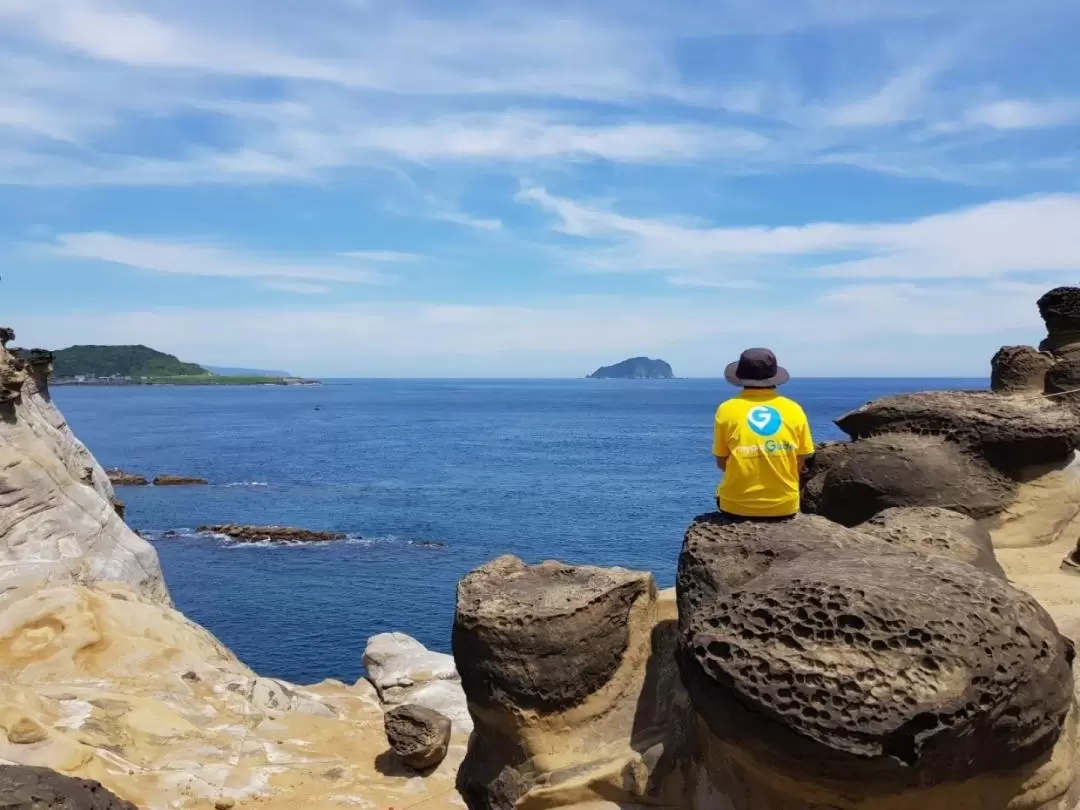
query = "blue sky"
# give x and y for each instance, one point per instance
(421, 188)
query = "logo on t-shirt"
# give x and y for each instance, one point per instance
(764, 421)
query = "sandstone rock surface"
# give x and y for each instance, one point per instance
(271, 534)
(1010, 433)
(122, 478)
(850, 482)
(419, 736)
(933, 530)
(1060, 311)
(23, 788)
(1019, 370)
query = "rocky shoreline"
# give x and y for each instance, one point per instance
(271, 534)
(906, 644)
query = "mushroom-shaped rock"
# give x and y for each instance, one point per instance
(719, 554)
(13, 376)
(419, 736)
(1010, 433)
(26, 788)
(1019, 370)
(6, 336)
(1060, 311)
(933, 530)
(887, 672)
(542, 637)
(850, 482)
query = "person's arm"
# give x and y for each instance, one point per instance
(806, 448)
(720, 449)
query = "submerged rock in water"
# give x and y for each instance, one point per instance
(272, 534)
(122, 478)
(179, 481)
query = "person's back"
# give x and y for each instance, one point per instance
(761, 440)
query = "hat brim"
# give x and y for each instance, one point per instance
(779, 378)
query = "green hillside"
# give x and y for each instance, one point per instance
(123, 361)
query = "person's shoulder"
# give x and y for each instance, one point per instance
(728, 405)
(791, 406)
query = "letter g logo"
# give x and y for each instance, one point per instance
(764, 421)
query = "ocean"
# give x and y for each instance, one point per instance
(428, 478)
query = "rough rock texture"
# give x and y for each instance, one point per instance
(903, 669)
(272, 534)
(23, 788)
(933, 530)
(178, 481)
(57, 519)
(419, 736)
(122, 478)
(1060, 311)
(1019, 370)
(850, 482)
(1010, 433)
(514, 622)
(6, 336)
(404, 672)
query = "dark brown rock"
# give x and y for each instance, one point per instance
(1019, 369)
(933, 530)
(273, 534)
(6, 336)
(1011, 433)
(542, 637)
(850, 482)
(13, 377)
(1064, 378)
(719, 555)
(119, 507)
(122, 478)
(26, 788)
(889, 672)
(1060, 311)
(178, 481)
(420, 737)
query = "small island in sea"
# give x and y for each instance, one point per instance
(141, 365)
(636, 368)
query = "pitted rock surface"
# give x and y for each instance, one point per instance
(542, 637)
(933, 530)
(419, 736)
(1064, 377)
(1019, 369)
(1060, 311)
(850, 482)
(889, 671)
(25, 788)
(1010, 433)
(719, 554)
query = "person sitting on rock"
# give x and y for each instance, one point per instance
(761, 440)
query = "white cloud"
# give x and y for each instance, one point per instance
(996, 239)
(298, 287)
(1022, 114)
(392, 256)
(194, 259)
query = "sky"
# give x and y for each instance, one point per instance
(420, 188)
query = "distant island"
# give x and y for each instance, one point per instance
(636, 368)
(141, 365)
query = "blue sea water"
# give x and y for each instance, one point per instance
(600, 472)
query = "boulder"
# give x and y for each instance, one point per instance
(26, 788)
(933, 530)
(122, 478)
(1011, 433)
(6, 336)
(1060, 311)
(179, 481)
(1019, 370)
(886, 673)
(542, 638)
(405, 672)
(850, 482)
(271, 534)
(419, 737)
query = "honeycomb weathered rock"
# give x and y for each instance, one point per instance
(1019, 369)
(933, 530)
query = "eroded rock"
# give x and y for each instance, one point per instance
(26, 788)
(6, 336)
(419, 737)
(1012, 434)
(1019, 370)
(933, 530)
(850, 482)
(122, 478)
(542, 637)
(179, 481)
(1060, 311)
(889, 672)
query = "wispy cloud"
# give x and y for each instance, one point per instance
(297, 287)
(194, 259)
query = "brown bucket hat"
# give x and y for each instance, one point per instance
(756, 368)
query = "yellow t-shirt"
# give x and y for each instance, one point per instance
(762, 434)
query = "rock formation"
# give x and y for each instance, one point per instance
(1019, 370)
(122, 478)
(270, 534)
(23, 788)
(179, 481)
(419, 737)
